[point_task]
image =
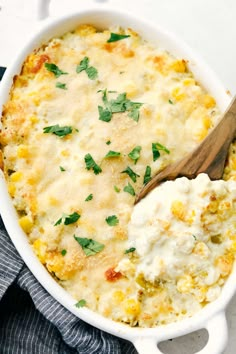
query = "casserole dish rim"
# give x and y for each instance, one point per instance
(105, 17)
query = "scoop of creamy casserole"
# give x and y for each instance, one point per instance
(90, 118)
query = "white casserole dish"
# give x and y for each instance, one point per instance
(212, 317)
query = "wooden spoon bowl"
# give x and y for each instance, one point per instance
(209, 157)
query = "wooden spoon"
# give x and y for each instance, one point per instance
(209, 157)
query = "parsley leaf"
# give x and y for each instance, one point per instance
(89, 246)
(62, 169)
(90, 163)
(170, 102)
(80, 303)
(92, 73)
(147, 176)
(117, 189)
(118, 105)
(63, 252)
(90, 70)
(156, 147)
(132, 249)
(108, 142)
(83, 65)
(112, 220)
(131, 174)
(68, 219)
(53, 68)
(129, 189)
(61, 85)
(114, 37)
(133, 108)
(112, 154)
(58, 222)
(89, 197)
(135, 154)
(57, 130)
(104, 114)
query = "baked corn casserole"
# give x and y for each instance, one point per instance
(92, 116)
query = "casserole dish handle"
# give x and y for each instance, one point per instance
(218, 335)
(42, 8)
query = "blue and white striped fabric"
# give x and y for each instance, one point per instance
(32, 322)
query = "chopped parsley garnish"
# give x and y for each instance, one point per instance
(117, 189)
(89, 246)
(131, 174)
(132, 249)
(63, 252)
(147, 176)
(112, 220)
(90, 70)
(89, 197)
(120, 104)
(80, 303)
(195, 238)
(90, 163)
(104, 114)
(61, 85)
(135, 154)
(114, 37)
(129, 189)
(57, 130)
(68, 219)
(108, 142)
(112, 154)
(53, 68)
(62, 169)
(83, 65)
(92, 73)
(156, 148)
(170, 102)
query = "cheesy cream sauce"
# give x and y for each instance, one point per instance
(47, 175)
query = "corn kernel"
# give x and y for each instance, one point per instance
(53, 201)
(225, 264)
(65, 153)
(11, 189)
(118, 296)
(209, 101)
(40, 248)
(201, 249)
(34, 119)
(179, 66)
(207, 123)
(85, 30)
(177, 94)
(201, 134)
(131, 90)
(16, 176)
(23, 151)
(185, 284)
(178, 210)
(132, 307)
(26, 223)
(189, 81)
(233, 247)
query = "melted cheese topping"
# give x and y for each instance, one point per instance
(48, 177)
(182, 233)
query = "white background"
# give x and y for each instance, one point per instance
(208, 26)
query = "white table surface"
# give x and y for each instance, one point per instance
(208, 26)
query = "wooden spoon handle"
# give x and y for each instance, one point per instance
(209, 157)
